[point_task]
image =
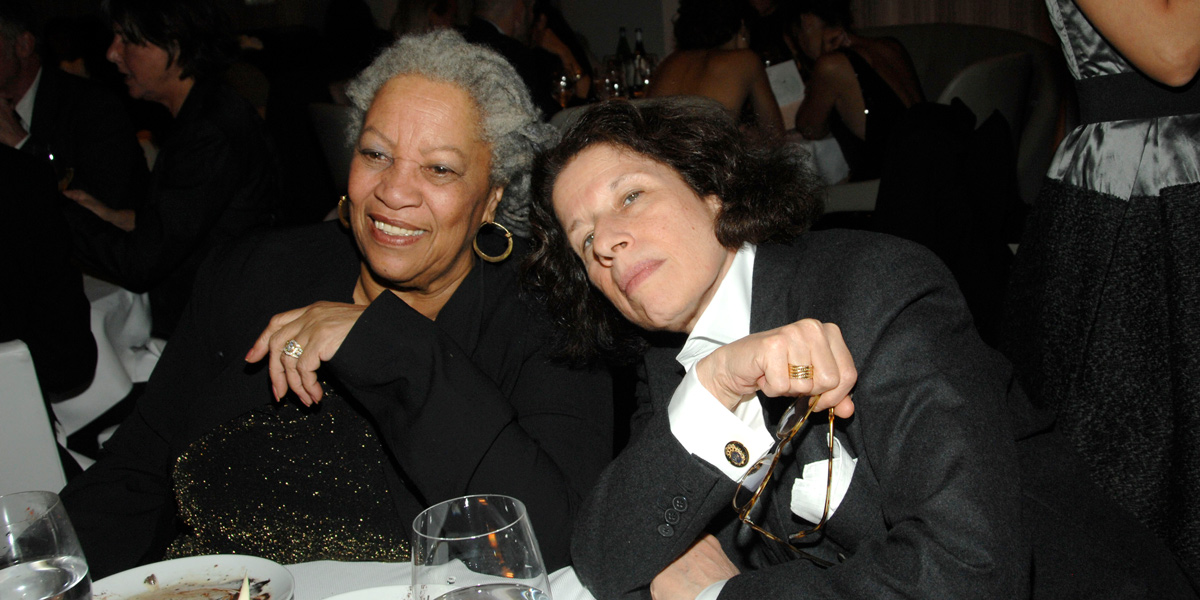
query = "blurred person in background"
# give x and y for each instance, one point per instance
(76, 124)
(857, 87)
(712, 59)
(216, 175)
(506, 26)
(419, 16)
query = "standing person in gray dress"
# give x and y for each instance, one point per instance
(1104, 305)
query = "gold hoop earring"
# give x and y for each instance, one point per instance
(507, 236)
(343, 213)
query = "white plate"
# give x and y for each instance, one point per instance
(387, 592)
(173, 579)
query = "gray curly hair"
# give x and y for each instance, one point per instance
(509, 120)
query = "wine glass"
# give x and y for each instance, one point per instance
(478, 548)
(40, 557)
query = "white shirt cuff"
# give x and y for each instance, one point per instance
(711, 592)
(705, 427)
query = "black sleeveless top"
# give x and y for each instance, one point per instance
(883, 108)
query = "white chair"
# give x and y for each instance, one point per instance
(30, 457)
(999, 83)
(332, 124)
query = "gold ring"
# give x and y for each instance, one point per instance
(800, 371)
(293, 349)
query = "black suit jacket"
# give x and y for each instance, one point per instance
(87, 129)
(42, 303)
(216, 177)
(960, 490)
(467, 404)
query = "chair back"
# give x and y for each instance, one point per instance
(999, 83)
(27, 443)
(332, 124)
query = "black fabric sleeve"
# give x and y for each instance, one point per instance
(542, 435)
(170, 225)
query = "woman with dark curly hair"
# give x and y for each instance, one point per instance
(937, 480)
(712, 59)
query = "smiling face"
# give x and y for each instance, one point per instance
(419, 188)
(646, 239)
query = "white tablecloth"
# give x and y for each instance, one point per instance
(125, 353)
(323, 579)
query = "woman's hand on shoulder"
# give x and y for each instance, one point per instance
(318, 330)
(762, 361)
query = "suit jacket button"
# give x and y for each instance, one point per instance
(737, 454)
(666, 530)
(671, 516)
(679, 503)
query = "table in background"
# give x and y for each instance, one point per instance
(125, 355)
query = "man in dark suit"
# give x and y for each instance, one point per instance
(46, 112)
(43, 303)
(503, 25)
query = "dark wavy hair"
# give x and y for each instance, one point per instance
(768, 193)
(196, 34)
(705, 24)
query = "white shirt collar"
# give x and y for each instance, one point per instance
(24, 106)
(727, 316)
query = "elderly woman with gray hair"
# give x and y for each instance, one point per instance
(392, 361)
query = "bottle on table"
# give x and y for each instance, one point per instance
(624, 58)
(642, 66)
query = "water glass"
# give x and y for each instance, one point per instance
(40, 557)
(477, 548)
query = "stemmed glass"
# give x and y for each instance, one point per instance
(478, 548)
(40, 557)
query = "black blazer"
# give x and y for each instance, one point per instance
(86, 128)
(42, 303)
(960, 490)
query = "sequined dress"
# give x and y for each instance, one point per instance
(425, 411)
(319, 480)
(1104, 307)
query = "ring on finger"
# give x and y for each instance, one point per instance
(800, 371)
(293, 349)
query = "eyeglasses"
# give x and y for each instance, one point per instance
(788, 429)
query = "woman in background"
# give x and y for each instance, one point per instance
(857, 86)
(712, 59)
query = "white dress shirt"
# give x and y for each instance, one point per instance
(24, 108)
(704, 426)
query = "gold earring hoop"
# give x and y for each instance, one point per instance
(507, 236)
(342, 213)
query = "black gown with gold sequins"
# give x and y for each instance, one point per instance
(470, 403)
